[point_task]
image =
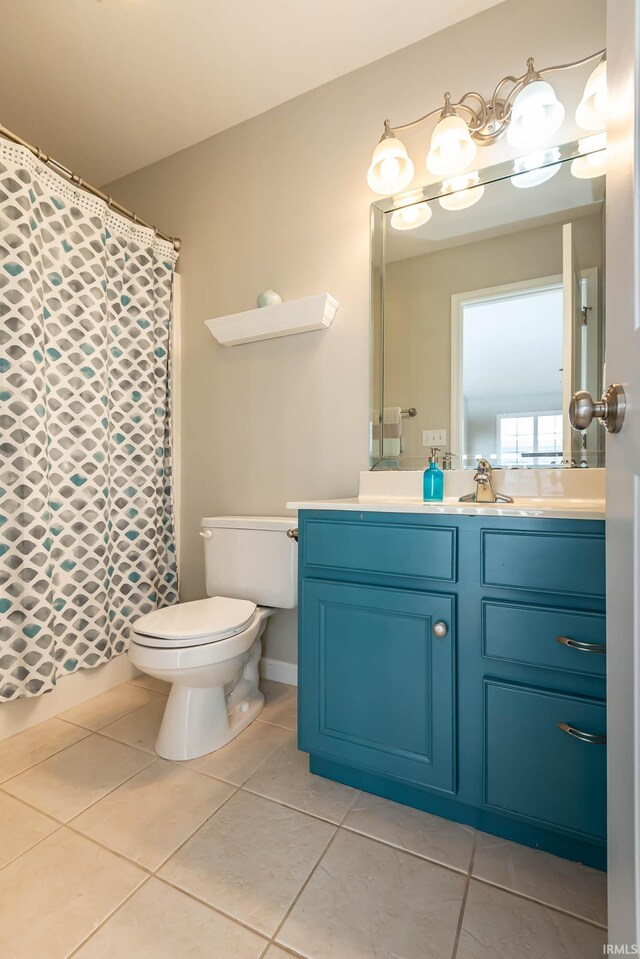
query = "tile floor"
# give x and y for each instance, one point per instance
(107, 851)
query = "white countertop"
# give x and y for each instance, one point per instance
(541, 507)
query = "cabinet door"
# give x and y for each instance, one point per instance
(377, 686)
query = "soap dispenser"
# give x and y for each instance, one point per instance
(433, 480)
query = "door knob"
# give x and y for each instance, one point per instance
(609, 410)
(440, 630)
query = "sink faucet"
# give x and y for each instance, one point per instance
(484, 489)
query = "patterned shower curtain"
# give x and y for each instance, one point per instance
(86, 524)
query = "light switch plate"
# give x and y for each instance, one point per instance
(434, 438)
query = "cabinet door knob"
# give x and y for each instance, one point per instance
(440, 629)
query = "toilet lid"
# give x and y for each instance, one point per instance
(194, 624)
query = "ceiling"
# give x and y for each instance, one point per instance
(109, 86)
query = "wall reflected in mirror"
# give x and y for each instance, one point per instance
(487, 314)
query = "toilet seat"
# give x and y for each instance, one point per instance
(196, 623)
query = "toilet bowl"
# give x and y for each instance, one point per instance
(210, 649)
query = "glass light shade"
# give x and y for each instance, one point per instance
(535, 168)
(461, 191)
(594, 162)
(592, 109)
(391, 170)
(411, 217)
(452, 149)
(536, 114)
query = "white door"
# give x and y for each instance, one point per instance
(571, 339)
(623, 477)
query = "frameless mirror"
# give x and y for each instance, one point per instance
(487, 314)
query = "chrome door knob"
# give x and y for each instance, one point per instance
(609, 410)
(440, 630)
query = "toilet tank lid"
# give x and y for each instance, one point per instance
(279, 523)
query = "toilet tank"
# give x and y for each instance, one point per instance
(251, 557)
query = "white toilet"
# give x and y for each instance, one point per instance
(209, 649)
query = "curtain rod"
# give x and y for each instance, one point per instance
(79, 182)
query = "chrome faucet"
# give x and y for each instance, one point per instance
(485, 492)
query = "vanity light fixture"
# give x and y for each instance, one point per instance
(452, 149)
(411, 213)
(594, 161)
(525, 109)
(391, 169)
(535, 168)
(592, 109)
(536, 113)
(461, 192)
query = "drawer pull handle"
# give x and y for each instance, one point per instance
(584, 647)
(440, 629)
(581, 735)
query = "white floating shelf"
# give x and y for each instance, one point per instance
(282, 319)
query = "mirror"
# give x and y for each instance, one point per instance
(487, 314)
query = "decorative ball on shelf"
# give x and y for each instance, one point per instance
(269, 298)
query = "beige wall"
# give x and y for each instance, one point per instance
(281, 201)
(418, 291)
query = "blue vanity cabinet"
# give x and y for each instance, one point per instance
(496, 717)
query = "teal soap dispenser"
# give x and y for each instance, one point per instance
(433, 480)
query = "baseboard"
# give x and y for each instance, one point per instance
(279, 671)
(21, 714)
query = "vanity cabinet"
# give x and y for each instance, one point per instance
(456, 663)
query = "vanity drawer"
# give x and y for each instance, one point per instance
(570, 563)
(555, 638)
(535, 769)
(392, 550)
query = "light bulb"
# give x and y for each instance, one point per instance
(452, 148)
(411, 214)
(536, 168)
(391, 170)
(461, 191)
(536, 114)
(594, 161)
(592, 109)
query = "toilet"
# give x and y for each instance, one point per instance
(209, 649)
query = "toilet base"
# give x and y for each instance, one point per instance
(201, 719)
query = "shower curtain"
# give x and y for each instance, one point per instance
(86, 524)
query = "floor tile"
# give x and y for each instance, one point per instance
(68, 782)
(149, 816)
(538, 875)
(150, 682)
(139, 728)
(285, 777)
(367, 900)
(250, 860)
(33, 745)
(104, 709)
(499, 925)
(237, 761)
(281, 707)
(20, 828)
(159, 922)
(434, 838)
(275, 952)
(58, 892)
